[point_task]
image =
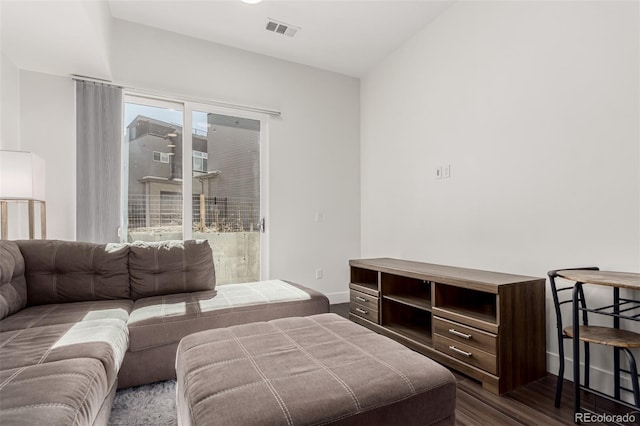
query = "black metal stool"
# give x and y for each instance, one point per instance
(620, 340)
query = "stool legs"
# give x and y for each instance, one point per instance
(633, 371)
(587, 359)
(560, 372)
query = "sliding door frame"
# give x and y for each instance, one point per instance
(264, 169)
(131, 97)
(187, 108)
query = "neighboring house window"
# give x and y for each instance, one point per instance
(162, 157)
(200, 161)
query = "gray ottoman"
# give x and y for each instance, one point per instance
(321, 369)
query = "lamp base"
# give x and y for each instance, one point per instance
(4, 212)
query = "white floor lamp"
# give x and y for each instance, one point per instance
(22, 179)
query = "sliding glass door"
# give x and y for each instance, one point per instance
(226, 191)
(152, 170)
(220, 149)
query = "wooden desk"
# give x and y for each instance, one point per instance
(622, 308)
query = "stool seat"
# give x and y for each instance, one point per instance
(606, 336)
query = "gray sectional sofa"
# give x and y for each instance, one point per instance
(78, 320)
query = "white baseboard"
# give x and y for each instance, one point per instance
(599, 378)
(340, 297)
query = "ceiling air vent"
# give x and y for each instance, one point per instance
(281, 28)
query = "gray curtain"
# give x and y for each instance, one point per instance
(99, 139)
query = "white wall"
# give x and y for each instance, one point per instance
(313, 146)
(10, 135)
(9, 104)
(47, 128)
(535, 106)
(38, 115)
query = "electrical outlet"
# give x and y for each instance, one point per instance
(318, 274)
(438, 173)
(446, 171)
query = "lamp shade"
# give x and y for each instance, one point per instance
(21, 176)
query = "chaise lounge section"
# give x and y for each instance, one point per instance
(157, 324)
(77, 320)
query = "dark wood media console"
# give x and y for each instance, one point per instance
(487, 325)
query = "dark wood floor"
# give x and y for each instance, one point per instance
(341, 309)
(528, 405)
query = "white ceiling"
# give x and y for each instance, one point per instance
(344, 36)
(56, 37)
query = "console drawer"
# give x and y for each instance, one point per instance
(363, 299)
(369, 289)
(364, 312)
(466, 353)
(470, 336)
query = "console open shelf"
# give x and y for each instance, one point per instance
(364, 280)
(407, 290)
(461, 303)
(410, 300)
(496, 320)
(411, 333)
(407, 320)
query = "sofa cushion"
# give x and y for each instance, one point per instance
(157, 321)
(65, 313)
(105, 340)
(170, 267)
(69, 271)
(68, 392)
(13, 287)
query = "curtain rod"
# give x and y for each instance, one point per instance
(176, 98)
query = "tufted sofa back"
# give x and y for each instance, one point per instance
(13, 287)
(41, 272)
(69, 271)
(170, 267)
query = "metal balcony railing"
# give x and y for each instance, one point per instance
(210, 214)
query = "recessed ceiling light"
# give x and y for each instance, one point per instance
(172, 135)
(251, 1)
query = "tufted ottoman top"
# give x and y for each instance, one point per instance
(321, 369)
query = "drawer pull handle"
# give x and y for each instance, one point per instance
(459, 334)
(460, 351)
(362, 299)
(362, 311)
